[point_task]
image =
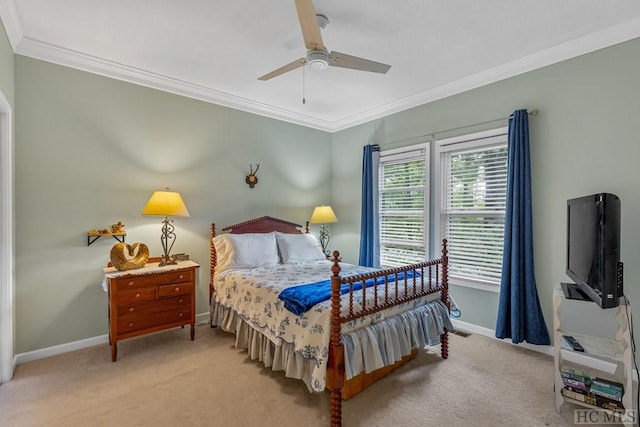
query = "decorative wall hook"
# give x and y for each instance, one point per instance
(252, 179)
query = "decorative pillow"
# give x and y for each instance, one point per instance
(295, 248)
(245, 250)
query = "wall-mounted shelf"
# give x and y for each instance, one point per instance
(92, 237)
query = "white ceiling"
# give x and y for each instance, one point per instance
(215, 50)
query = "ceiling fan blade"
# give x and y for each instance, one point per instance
(309, 25)
(337, 59)
(292, 66)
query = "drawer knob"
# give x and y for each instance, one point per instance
(130, 324)
(181, 276)
(176, 289)
(137, 295)
(180, 301)
(131, 283)
(131, 309)
(180, 314)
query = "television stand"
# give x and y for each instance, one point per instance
(572, 291)
(605, 336)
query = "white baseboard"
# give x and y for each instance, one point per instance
(203, 318)
(59, 349)
(76, 345)
(480, 330)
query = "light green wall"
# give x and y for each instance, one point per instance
(90, 151)
(585, 140)
(6, 66)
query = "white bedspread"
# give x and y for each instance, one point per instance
(253, 295)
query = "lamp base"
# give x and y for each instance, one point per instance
(324, 239)
(166, 261)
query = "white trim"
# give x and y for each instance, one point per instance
(483, 140)
(562, 52)
(475, 284)
(92, 64)
(471, 138)
(202, 318)
(480, 330)
(7, 297)
(60, 349)
(37, 49)
(422, 148)
(11, 22)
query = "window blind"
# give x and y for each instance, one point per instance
(474, 186)
(403, 179)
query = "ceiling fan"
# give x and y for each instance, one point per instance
(318, 57)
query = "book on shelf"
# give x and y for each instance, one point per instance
(575, 385)
(576, 375)
(605, 388)
(593, 400)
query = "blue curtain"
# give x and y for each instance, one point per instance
(369, 215)
(519, 314)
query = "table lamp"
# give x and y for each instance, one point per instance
(323, 215)
(166, 203)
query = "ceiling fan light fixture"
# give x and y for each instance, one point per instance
(318, 59)
(322, 21)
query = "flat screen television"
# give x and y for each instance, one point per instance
(593, 249)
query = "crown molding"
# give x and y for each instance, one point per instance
(574, 48)
(69, 58)
(55, 54)
(11, 22)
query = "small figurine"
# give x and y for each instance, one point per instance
(117, 228)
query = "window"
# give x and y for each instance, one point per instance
(471, 205)
(404, 197)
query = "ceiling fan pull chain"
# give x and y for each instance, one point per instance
(303, 97)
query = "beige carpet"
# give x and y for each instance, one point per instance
(166, 380)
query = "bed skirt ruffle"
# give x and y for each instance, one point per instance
(366, 349)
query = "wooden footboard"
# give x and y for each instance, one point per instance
(399, 287)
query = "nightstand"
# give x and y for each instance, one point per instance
(150, 299)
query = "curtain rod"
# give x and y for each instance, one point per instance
(531, 113)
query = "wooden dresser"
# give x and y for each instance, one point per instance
(150, 299)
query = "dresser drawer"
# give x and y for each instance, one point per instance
(148, 280)
(161, 318)
(136, 295)
(135, 308)
(176, 289)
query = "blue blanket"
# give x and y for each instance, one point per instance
(300, 298)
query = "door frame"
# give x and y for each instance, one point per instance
(7, 248)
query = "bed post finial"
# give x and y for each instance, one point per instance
(306, 227)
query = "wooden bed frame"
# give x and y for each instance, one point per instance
(435, 280)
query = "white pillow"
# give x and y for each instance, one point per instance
(245, 250)
(295, 248)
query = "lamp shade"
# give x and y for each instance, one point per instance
(323, 215)
(165, 203)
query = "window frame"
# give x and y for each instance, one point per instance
(402, 153)
(481, 140)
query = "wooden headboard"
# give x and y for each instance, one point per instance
(264, 224)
